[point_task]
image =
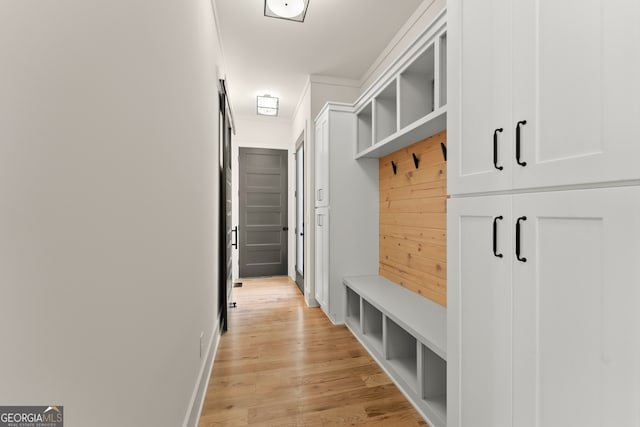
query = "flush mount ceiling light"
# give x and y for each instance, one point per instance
(293, 10)
(267, 105)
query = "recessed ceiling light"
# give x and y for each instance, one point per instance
(293, 10)
(267, 105)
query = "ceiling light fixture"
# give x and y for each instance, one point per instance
(267, 105)
(293, 10)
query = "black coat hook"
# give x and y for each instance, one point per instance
(393, 165)
(444, 151)
(416, 161)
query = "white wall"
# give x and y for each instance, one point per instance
(325, 89)
(264, 132)
(108, 216)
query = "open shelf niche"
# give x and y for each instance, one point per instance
(372, 326)
(442, 74)
(417, 90)
(402, 353)
(365, 129)
(434, 383)
(386, 112)
(353, 309)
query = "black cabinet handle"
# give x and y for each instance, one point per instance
(521, 122)
(495, 149)
(235, 232)
(495, 236)
(521, 259)
(285, 228)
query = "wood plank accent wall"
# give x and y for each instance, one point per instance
(413, 216)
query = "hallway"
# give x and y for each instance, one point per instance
(284, 364)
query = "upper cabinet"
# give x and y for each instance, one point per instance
(408, 102)
(322, 161)
(546, 93)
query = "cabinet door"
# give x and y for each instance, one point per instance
(322, 257)
(576, 83)
(479, 312)
(479, 66)
(322, 162)
(575, 315)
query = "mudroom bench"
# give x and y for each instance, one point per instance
(406, 334)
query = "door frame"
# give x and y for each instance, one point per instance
(300, 216)
(225, 270)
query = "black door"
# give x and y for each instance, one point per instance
(226, 226)
(263, 212)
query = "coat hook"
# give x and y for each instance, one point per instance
(444, 151)
(416, 161)
(393, 165)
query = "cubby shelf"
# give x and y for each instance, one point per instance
(365, 129)
(385, 112)
(408, 103)
(406, 336)
(427, 126)
(372, 326)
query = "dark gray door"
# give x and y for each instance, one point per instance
(263, 212)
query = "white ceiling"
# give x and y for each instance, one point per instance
(339, 38)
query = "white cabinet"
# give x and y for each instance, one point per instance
(548, 334)
(542, 93)
(346, 215)
(542, 97)
(322, 161)
(479, 305)
(322, 256)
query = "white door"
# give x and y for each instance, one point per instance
(479, 311)
(479, 117)
(322, 257)
(322, 162)
(576, 84)
(576, 326)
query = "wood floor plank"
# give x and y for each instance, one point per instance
(284, 364)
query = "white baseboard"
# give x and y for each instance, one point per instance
(192, 417)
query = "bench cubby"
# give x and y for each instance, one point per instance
(372, 326)
(406, 335)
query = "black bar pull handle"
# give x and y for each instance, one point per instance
(235, 232)
(495, 236)
(520, 123)
(495, 149)
(518, 257)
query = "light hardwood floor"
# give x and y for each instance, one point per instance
(284, 364)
